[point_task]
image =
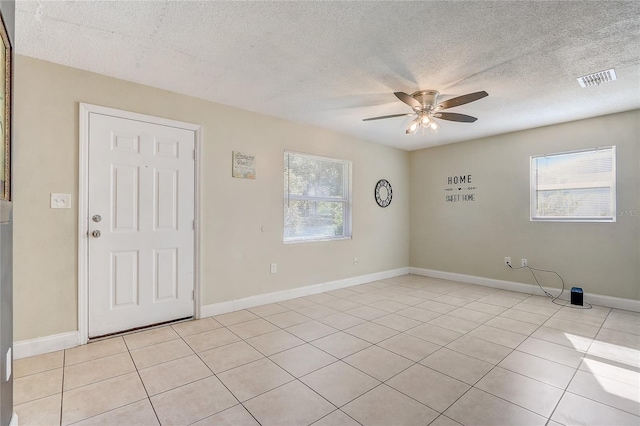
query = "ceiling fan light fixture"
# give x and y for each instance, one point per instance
(427, 122)
(413, 127)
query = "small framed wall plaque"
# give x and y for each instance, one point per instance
(244, 165)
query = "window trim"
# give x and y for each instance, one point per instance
(346, 200)
(534, 190)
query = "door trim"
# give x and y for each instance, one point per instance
(83, 205)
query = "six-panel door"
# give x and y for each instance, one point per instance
(141, 201)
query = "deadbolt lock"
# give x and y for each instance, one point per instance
(96, 218)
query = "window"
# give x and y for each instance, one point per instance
(575, 186)
(317, 198)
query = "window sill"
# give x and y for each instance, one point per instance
(316, 240)
(574, 220)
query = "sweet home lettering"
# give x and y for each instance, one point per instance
(461, 186)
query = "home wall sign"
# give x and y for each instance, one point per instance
(244, 165)
(383, 193)
(459, 189)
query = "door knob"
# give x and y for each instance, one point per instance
(96, 234)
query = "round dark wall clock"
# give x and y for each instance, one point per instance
(383, 193)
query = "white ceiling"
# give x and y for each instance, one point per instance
(331, 64)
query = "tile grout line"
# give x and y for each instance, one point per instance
(294, 377)
(484, 375)
(327, 415)
(263, 357)
(384, 382)
(418, 362)
(64, 360)
(578, 369)
(516, 348)
(565, 390)
(389, 297)
(142, 381)
(496, 396)
(494, 366)
(221, 382)
(334, 362)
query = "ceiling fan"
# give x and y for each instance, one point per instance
(426, 107)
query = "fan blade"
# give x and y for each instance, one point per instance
(386, 116)
(408, 100)
(452, 116)
(461, 100)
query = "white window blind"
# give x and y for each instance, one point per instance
(317, 200)
(574, 186)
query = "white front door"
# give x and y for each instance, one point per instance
(141, 223)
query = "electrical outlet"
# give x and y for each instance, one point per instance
(507, 261)
(523, 262)
(274, 268)
(355, 261)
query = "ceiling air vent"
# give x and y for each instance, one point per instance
(597, 77)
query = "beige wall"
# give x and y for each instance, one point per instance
(235, 253)
(467, 238)
(474, 237)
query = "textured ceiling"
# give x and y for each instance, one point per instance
(331, 64)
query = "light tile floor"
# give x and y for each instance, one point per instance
(404, 351)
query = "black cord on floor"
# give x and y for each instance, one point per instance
(546, 293)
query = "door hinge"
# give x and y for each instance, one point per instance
(194, 154)
(193, 224)
(193, 295)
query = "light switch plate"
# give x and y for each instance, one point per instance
(60, 201)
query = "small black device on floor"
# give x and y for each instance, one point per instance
(576, 296)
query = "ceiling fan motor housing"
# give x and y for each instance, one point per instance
(427, 98)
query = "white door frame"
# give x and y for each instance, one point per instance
(83, 206)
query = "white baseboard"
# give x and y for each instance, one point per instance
(43, 345)
(594, 299)
(279, 296)
(14, 420)
(57, 342)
